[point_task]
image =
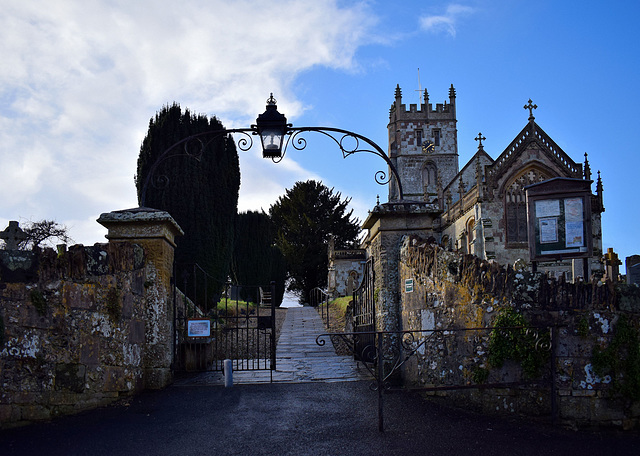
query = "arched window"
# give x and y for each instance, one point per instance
(352, 282)
(471, 235)
(429, 177)
(515, 205)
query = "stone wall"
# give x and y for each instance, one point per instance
(82, 327)
(453, 291)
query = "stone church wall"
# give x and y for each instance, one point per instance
(80, 328)
(453, 291)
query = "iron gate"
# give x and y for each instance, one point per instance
(238, 324)
(364, 316)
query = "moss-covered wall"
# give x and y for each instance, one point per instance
(453, 292)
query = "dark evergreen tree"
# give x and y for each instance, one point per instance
(306, 217)
(200, 183)
(256, 259)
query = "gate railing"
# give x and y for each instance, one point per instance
(319, 299)
(390, 352)
(364, 315)
(238, 325)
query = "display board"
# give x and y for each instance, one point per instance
(559, 216)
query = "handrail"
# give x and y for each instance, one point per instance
(320, 300)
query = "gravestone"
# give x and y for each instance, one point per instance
(13, 235)
(612, 263)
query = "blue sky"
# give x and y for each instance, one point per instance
(79, 82)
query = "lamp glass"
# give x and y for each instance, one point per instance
(271, 140)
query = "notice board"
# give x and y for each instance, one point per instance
(559, 219)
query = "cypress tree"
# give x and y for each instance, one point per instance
(198, 185)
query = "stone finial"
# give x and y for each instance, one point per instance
(461, 187)
(599, 189)
(398, 92)
(461, 191)
(452, 93)
(426, 97)
(530, 107)
(13, 235)
(587, 168)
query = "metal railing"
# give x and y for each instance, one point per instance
(390, 351)
(240, 324)
(319, 299)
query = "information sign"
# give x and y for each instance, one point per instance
(408, 286)
(198, 328)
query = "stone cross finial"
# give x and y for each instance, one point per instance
(13, 235)
(530, 107)
(480, 138)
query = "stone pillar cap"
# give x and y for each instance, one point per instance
(135, 224)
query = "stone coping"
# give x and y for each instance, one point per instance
(139, 215)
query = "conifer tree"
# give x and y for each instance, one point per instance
(256, 259)
(306, 217)
(200, 191)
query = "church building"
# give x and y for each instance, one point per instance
(479, 208)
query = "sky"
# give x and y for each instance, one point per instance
(79, 82)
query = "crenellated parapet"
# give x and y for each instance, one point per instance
(426, 110)
(423, 144)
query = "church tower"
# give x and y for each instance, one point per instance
(423, 146)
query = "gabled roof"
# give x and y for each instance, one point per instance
(472, 163)
(532, 133)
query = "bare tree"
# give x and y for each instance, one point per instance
(44, 232)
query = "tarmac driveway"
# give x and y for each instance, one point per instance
(296, 419)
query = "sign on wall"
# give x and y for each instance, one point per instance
(199, 328)
(559, 216)
(408, 285)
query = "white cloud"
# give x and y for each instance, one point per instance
(79, 81)
(446, 22)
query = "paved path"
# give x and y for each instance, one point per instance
(299, 358)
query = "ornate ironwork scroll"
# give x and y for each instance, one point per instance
(349, 143)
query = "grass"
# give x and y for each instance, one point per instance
(229, 307)
(337, 319)
(337, 313)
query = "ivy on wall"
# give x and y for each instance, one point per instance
(513, 339)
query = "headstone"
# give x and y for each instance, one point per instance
(13, 235)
